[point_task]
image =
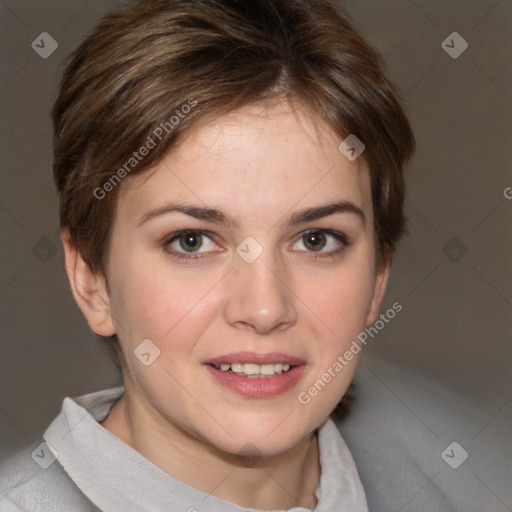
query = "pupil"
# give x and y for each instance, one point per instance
(190, 241)
(315, 241)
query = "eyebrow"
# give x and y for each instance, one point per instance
(218, 217)
(315, 213)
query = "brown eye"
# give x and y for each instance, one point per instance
(191, 242)
(321, 243)
(314, 241)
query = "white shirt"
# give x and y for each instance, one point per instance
(398, 429)
(94, 470)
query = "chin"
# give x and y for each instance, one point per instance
(269, 436)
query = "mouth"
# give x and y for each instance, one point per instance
(257, 375)
(255, 371)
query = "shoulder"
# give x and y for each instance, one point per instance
(405, 433)
(32, 480)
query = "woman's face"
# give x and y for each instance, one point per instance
(231, 251)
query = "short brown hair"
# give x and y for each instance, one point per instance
(143, 63)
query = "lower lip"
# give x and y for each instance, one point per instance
(258, 387)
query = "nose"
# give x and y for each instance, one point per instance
(260, 298)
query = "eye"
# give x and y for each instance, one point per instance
(321, 241)
(188, 244)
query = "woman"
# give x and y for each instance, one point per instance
(230, 176)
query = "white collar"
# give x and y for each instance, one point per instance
(116, 478)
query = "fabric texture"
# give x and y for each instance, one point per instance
(92, 470)
(398, 427)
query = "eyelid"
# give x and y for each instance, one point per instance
(337, 235)
(341, 239)
(169, 239)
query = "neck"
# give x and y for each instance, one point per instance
(283, 481)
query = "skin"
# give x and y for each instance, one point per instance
(259, 166)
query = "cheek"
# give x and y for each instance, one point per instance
(340, 299)
(173, 312)
(154, 303)
(339, 303)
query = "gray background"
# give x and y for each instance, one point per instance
(452, 273)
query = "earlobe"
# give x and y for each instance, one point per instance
(89, 289)
(381, 282)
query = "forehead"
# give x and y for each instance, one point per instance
(260, 161)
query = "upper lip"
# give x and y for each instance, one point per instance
(254, 358)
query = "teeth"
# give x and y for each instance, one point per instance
(251, 369)
(237, 367)
(254, 370)
(267, 369)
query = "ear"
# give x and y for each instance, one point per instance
(381, 283)
(89, 289)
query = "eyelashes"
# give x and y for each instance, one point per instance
(314, 240)
(195, 244)
(185, 244)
